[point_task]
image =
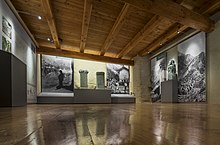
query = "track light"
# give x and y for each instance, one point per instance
(39, 17)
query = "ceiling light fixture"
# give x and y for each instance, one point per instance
(39, 17)
(48, 39)
(161, 44)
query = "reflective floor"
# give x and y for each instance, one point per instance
(106, 124)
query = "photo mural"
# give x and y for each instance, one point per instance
(192, 69)
(158, 75)
(7, 35)
(57, 74)
(118, 78)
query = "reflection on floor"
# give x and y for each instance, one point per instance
(108, 124)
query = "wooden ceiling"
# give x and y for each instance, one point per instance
(111, 30)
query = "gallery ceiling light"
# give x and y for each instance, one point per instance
(178, 32)
(39, 17)
(49, 39)
(161, 44)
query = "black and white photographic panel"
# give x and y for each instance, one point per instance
(158, 75)
(6, 35)
(57, 74)
(118, 78)
(192, 69)
(6, 44)
(6, 27)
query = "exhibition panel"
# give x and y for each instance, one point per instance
(158, 70)
(85, 81)
(192, 69)
(118, 78)
(56, 74)
(185, 63)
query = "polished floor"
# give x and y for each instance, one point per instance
(107, 124)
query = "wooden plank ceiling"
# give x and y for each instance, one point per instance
(111, 30)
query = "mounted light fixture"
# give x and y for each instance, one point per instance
(178, 30)
(39, 17)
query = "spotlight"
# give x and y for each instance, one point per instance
(48, 39)
(39, 17)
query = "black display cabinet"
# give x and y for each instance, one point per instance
(13, 81)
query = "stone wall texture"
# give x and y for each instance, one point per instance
(213, 65)
(141, 79)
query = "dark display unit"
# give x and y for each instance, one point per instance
(13, 87)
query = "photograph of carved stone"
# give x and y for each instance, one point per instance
(6, 44)
(192, 69)
(171, 69)
(6, 27)
(83, 78)
(57, 74)
(118, 78)
(158, 75)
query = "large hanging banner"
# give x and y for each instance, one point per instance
(57, 74)
(118, 78)
(158, 75)
(192, 69)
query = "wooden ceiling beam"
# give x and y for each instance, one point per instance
(175, 12)
(210, 7)
(51, 21)
(168, 35)
(115, 29)
(172, 32)
(87, 11)
(140, 35)
(78, 55)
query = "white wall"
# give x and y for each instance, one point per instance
(213, 62)
(21, 48)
